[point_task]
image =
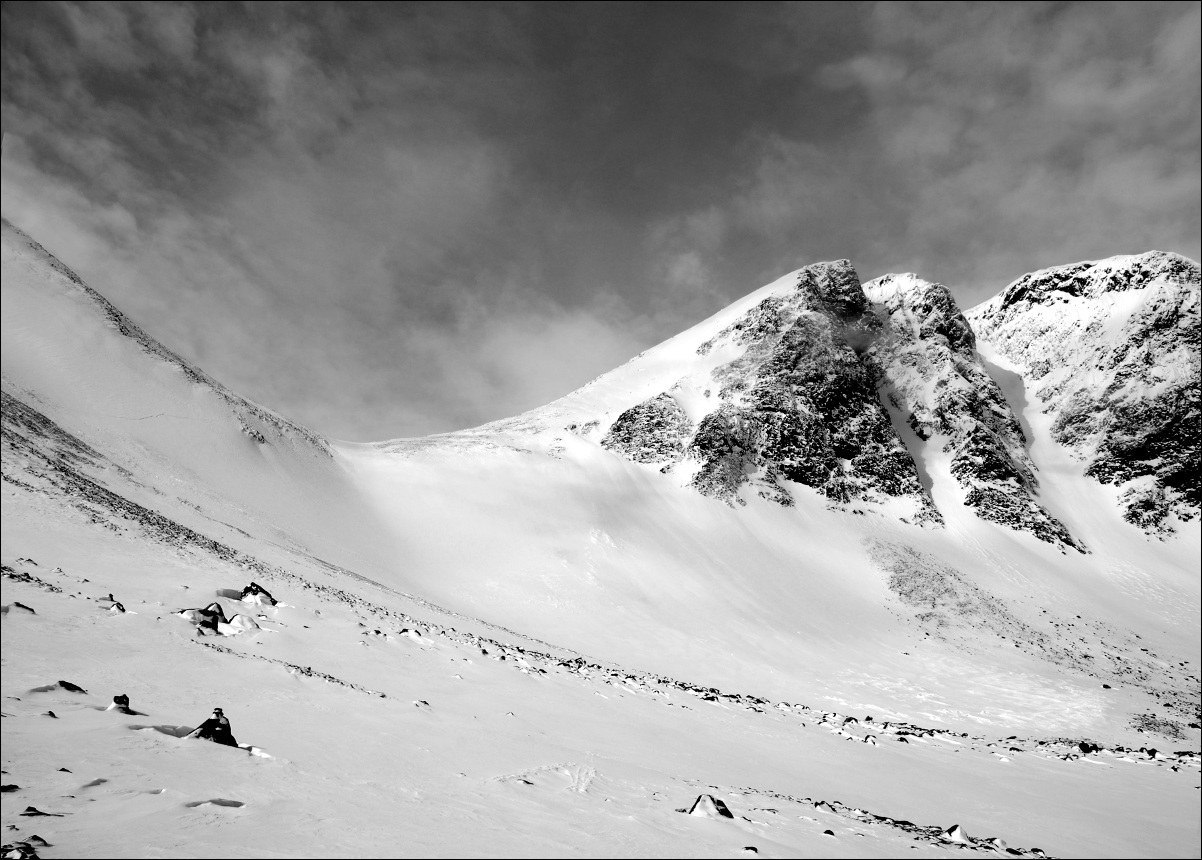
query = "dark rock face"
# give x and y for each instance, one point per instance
(798, 405)
(1111, 350)
(654, 431)
(926, 364)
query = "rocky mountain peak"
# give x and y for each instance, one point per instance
(1110, 349)
(928, 303)
(833, 288)
(794, 405)
(810, 381)
(796, 392)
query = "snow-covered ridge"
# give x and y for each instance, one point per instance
(1111, 350)
(21, 254)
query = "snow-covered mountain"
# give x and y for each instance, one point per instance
(830, 501)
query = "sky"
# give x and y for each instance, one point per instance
(395, 219)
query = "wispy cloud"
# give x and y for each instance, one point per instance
(405, 219)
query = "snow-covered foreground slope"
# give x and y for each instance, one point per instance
(602, 637)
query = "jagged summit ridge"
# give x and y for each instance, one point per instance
(1110, 349)
(1095, 278)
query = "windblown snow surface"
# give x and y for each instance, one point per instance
(549, 636)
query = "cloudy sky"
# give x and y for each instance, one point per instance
(397, 219)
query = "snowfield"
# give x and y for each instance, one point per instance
(547, 637)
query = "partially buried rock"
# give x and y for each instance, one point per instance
(210, 616)
(120, 704)
(216, 729)
(956, 834)
(238, 624)
(33, 811)
(710, 807)
(65, 685)
(19, 851)
(216, 801)
(255, 593)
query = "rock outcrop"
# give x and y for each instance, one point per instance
(651, 432)
(927, 366)
(800, 405)
(1110, 351)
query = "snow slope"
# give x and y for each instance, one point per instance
(600, 640)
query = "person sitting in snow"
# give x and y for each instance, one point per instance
(216, 729)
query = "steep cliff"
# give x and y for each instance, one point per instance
(928, 367)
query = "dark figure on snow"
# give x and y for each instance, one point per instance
(216, 729)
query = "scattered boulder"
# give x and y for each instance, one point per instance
(64, 685)
(216, 729)
(956, 834)
(238, 624)
(120, 704)
(255, 593)
(710, 807)
(209, 617)
(33, 811)
(216, 801)
(24, 849)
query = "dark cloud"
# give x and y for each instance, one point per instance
(392, 219)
